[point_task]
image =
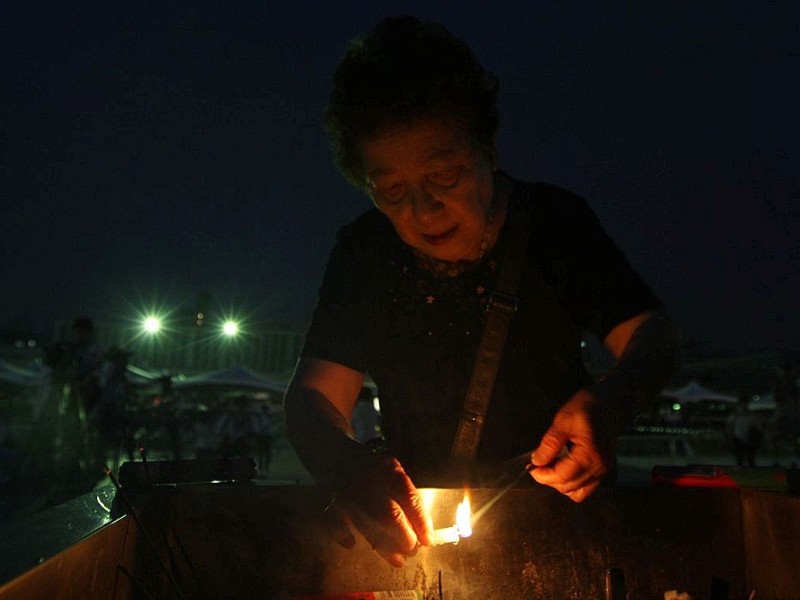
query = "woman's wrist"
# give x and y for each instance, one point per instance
(321, 436)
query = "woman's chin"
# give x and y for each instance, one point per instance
(452, 255)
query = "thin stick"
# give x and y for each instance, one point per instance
(172, 527)
(147, 538)
(144, 462)
(136, 581)
(482, 511)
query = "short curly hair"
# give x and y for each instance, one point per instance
(402, 70)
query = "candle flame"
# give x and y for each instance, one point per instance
(464, 518)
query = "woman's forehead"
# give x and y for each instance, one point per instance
(421, 143)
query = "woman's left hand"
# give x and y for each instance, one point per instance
(577, 451)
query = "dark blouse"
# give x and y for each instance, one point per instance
(416, 333)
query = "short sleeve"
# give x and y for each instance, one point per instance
(348, 296)
(602, 289)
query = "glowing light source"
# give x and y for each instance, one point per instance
(152, 324)
(464, 518)
(230, 328)
(462, 528)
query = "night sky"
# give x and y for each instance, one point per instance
(155, 151)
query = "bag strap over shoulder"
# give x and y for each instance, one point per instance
(501, 307)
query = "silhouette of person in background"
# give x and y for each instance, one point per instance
(235, 428)
(787, 412)
(88, 357)
(58, 450)
(109, 423)
(746, 434)
(263, 424)
(86, 382)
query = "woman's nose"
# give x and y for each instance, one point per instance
(425, 205)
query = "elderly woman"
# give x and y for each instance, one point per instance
(413, 121)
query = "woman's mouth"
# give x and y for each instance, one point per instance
(442, 238)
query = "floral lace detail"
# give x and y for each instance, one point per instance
(442, 268)
(453, 297)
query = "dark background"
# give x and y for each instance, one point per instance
(152, 152)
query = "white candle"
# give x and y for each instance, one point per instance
(446, 535)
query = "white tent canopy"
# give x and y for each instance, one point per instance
(235, 376)
(30, 376)
(694, 392)
(142, 377)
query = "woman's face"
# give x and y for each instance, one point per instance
(433, 184)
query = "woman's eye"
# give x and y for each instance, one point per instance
(446, 177)
(393, 193)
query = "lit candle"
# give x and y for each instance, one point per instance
(462, 528)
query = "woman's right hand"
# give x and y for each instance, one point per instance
(375, 494)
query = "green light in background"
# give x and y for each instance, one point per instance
(152, 324)
(230, 328)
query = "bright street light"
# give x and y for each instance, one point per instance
(152, 325)
(230, 328)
